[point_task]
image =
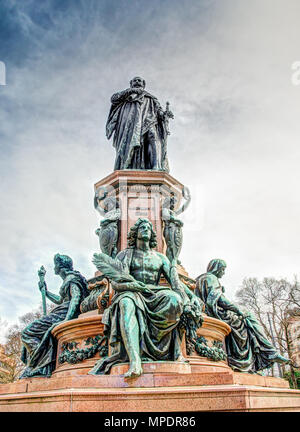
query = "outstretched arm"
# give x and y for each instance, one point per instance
(75, 301)
(190, 296)
(174, 281)
(53, 297)
(186, 194)
(224, 303)
(166, 268)
(135, 286)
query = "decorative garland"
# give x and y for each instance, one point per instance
(215, 352)
(189, 322)
(72, 354)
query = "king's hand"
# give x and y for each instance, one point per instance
(169, 114)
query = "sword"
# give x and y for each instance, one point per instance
(41, 275)
(167, 117)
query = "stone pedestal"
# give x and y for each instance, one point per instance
(80, 334)
(153, 391)
(158, 367)
(140, 195)
(199, 385)
(204, 382)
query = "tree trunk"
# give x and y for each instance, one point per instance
(288, 342)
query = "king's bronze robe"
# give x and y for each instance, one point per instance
(133, 122)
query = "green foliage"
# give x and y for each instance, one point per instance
(214, 352)
(112, 268)
(189, 321)
(72, 354)
(69, 345)
(288, 376)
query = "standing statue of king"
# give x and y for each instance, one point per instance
(141, 317)
(140, 128)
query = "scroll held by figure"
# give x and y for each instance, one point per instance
(143, 321)
(140, 128)
(108, 232)
(248, 349)
(39, 346)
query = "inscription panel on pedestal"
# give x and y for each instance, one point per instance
(141, 207)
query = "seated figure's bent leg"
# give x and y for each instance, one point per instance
(174, 306)
(39, 348)
(130, 336)
(164, 329)
(177, 306)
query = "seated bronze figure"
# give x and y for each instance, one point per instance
(39, 346)
(248, 349)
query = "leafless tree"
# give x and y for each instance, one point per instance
(272, 301)
(295, 293)
(11, 365)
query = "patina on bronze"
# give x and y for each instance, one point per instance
(41, 275)
(247, 347)
(142, 322)
(39, 346)
(108, 232)
(140, 129)
(173, 225)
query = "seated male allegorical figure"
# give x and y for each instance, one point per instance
(39, 346)
(142, 321)
(247, 347)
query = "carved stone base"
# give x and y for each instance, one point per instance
(165, 367)
(150, 392)
(211, 355)
(200, 385)
(82, 333)
(85, 332)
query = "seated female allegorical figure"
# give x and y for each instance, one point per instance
(248, 349)
(39, 346)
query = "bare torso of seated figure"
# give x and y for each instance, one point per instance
(146, 266)
(142, 304)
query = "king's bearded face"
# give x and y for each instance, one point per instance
(137, 82)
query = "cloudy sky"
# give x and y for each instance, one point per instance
(225, 67)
